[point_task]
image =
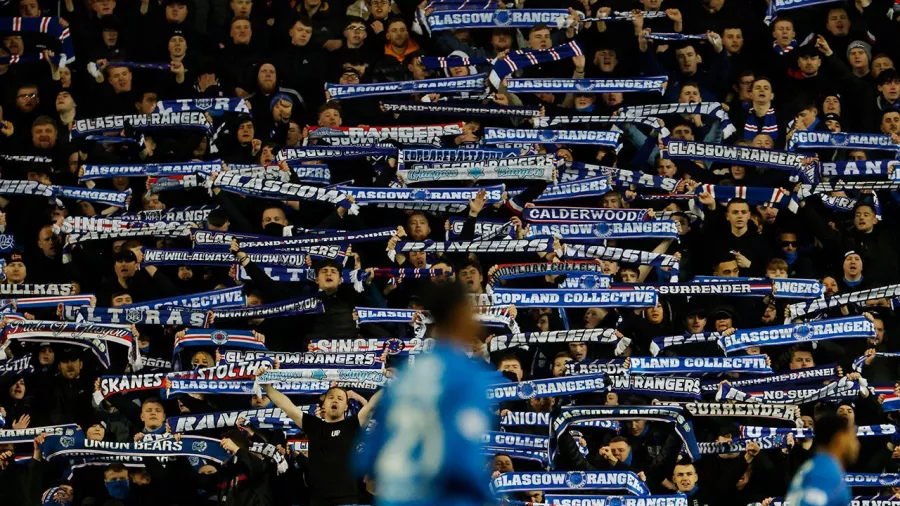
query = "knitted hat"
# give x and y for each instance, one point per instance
(859, 44)
(280, 96)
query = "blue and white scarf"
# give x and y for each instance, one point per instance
(776, 6)
(476, 173)
(500, 343)
(786, 412)
(294, 307)
(781, 288)
(741, 155)
(363, 196)
(552, 121)
(224, 419)
(660, 343)
(15, 436)
(368, 135)
(204, 300)
(192, 120)
(304, 274)
(769, 125)
(620, 178)
(752, 364)
(836, 328)
(706, 109)
(23, 187)
(507, 246)
(193, 338)
(83, 229)
(187, 213)
(655, 386)
(814, 306)
(593, 232)
(547, 214)
(572, 415)
(551, 387)
(812, 375)
(522, 59)
(68, 301)
(632, 256)
(850, 168)
(425, 86)
(805, 433)
(835, 391)
(141, 316)
(333, 152)
(108, 197)
(672, 37)
(803, 139)
(608, 500)
(77, 445)
(523, 297)
(15, 367)
(461, 109)
(485, 229)
(226, 258)
(279, 190)
(605, 366)
(599, 138)
(113, 385)
(453, 155)
(50, 26)
(534, 419)
(506, 18)
(753, 195)
(214, 106)
(393, 345)
(366, 376)
(587, 85)
(861, 480)
(595, 187)
(740, 445)
(373, 235)
(292, 360)
(34, 289)
(568, 480)
(518, 271)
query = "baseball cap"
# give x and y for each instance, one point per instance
(126, 255)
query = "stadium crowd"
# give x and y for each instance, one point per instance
(222, 222)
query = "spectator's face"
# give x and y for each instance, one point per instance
(203, 359)
(110, 37)
(695, 323)
(838, 23)
(328, 278)
(655, 314)
(501, 41)
(294, 135)
(783, 33)
(858, 58)
(689, 95)
(64, 102)
(17, 390)
(890, 90)
(809, 65)
(43, 136)
(241, 32)
(879, 330)
(733, 40)
(335, 404)
(628, 275)
(65, 77)
(503, 464)
(152, 203)
(177, 47)
(417, 69)
(459, 71)
(881, 63)
(120, 79)
(789, 242)
(15, 272)
(471, 279)
(259, 402)
(802, 360)
(274, 215)
(620, 450)
(355, 33)
(687, 59)
(46, 356)
(397, 34)
(611, 201)
(95, 432)
(578, 351)
(245, 132)
(852, 266)
(418, 227)
(281, 113)
(722, 324)
(380, 9)
(301, 34)
(636, 427)
(890, 123)
(864, 219)
(153, 415)
(832, 125)
(592, 318)
(683, 133)
(27, 99)
(830, 285)
(608, 267)
(312, 5)
(539, 39)
(768, 214)
(559, 366)
(831, 105)
(745, 88)
(856, 155)
(614, 99)
(14, 45)
(29, 9)
(148, 103)
(71, 368)
(606, 59)
(763, 141)
(266, 77)
(762, 91)
(513, 366)
(109, 476)
(176, 13)
(418, 259)
(727, 269)
(125, 269)
(48, 242)
(651, 5)
(845, 411)
(103, 7)
(685, 477)
(241, 8)
(584, 101)
(122, 300)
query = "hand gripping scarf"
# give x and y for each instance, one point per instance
(141, 316)
(517, 271)
(706, 109)
(193, 120)
(522, 59)
(45, 25)
(570, 415)
(836, 328)
(507, 18)
(567, 480)
(77, 445)
(551, 387)
(439, 85)
(15, 436)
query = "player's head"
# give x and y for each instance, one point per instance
(451, 310)
(837, 436)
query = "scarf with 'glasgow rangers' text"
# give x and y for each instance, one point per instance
(425, 86)
(835, 328)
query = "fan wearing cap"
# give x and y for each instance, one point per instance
(67, 396)
(852, 278)
(145, 283)
(15, 269)
(281, 107)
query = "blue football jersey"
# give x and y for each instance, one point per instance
(425, 446)
(819, 482)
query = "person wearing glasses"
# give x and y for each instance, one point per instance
(799, 265)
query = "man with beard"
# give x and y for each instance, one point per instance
(820, 481)
(331, 440)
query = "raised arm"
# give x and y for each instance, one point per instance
(285, 404)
